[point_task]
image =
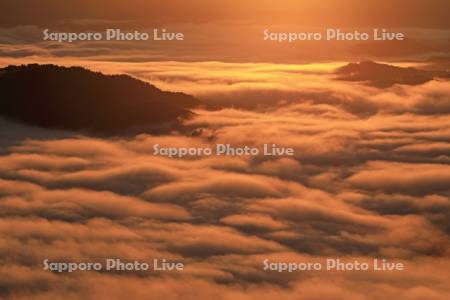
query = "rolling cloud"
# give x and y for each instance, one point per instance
(363, 183)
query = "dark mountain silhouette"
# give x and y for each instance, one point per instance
(383, 75)
(78, 99)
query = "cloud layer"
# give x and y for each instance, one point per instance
(369, 178)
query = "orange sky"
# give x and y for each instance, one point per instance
(412, 13)
(229, 31)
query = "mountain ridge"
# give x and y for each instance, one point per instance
(385, 75)
(75, 98)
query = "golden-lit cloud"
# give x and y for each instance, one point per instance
(367, 180)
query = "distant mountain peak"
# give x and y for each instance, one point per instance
(76, 98)
(384, 75)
